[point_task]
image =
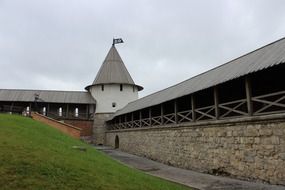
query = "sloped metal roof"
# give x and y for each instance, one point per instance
(113, 71)
(51, 96)
(262, 58)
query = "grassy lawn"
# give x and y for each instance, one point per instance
(36, 156)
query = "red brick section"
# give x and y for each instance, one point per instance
(63, 127)
(85, 126)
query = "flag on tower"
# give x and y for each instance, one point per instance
(117, 41)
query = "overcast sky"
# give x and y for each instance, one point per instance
(60, 44)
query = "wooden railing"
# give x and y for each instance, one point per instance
(264, 104)
(233, 109)
(156, 121)
(136, 123)
(13, 109)
(169, 118)
(145, 122)
(205, 113)
(269, 103)
(80, 116)
(184, 116)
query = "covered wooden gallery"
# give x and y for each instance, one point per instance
(251, 85)
(60, 105)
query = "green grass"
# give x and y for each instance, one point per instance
(36, 156)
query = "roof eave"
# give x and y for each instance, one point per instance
(140, 88)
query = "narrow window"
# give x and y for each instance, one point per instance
(28, 110)
(102, 87)
(60, 112)
(114, 104)
(76, 112)
(133, 88)
(44, 111)
(121, 87)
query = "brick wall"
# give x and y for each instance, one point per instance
(246, 149)
(85, 126)
(65, 128)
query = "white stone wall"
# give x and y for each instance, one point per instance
(112, 94)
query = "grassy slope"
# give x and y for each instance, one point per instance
(36, 156)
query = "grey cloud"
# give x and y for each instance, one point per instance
(60, 44)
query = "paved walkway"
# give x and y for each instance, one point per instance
(186, 177)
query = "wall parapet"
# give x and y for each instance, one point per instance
(63, 127)
(217, 123)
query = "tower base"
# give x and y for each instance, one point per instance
(99, 127)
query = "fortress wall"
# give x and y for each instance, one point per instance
(63, 127)
(246, 149)
(86, 126)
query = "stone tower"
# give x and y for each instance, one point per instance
(113, 88)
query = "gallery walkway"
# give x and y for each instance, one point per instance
(186, 177)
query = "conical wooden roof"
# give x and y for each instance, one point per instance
(113, 71)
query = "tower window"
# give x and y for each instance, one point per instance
(102, 87)
(121, 87)
(114, 104)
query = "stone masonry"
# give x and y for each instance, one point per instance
(99, 127)
(246, 149)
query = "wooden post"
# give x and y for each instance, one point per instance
(248, 95)
(216, 100)
(47, 111)
(87, 112)
(193, 106)
(175, 111)
(67, 111)
(30, 105)
(140, 118)
(162, 113)
(132, 114)
(149, 115)
(11, 107)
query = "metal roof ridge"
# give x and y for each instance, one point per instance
(43, 90)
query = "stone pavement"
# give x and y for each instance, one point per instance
(187, 177)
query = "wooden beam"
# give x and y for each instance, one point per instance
(193, 107)
(47, 111)
(216, 100)
(132, 115)
(11, 107)
(87, 112)
(248, 91)
(140, 118)
(205, 112)
(175, 111)
(162, 113)
(149, 115)
(67, 111)
(30, 105)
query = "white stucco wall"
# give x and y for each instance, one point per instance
(112, 94)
